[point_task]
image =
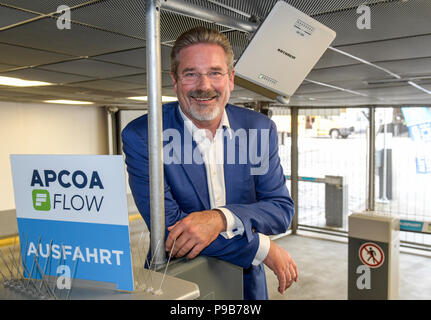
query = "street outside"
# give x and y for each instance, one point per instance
(320, 156)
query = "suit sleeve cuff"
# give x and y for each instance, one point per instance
(234, 225)
(262, 251)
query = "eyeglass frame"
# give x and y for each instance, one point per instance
(195, 80)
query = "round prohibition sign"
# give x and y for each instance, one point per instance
(371, 255)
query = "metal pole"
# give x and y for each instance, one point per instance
(201, 13)
(155, 135)
(112, 130)
(385, 159)
(294, 164)
(371, 158)
(110, 134)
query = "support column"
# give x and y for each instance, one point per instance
(294, 164)
(155, 132)
(371, 159)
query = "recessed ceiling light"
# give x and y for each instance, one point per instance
(16, 82)
(144, 98)
(67, 102)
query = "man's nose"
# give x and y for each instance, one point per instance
(204, 81)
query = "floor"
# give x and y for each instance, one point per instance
(323, 267)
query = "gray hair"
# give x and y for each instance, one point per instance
(200, 35)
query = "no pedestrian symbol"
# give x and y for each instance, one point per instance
(371, 255)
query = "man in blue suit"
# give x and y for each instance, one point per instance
(225, 190)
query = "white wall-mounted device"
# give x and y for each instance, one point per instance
(283, 51)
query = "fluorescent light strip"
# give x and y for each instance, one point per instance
(418, 87)
(145, 98)
(391, 81)
(373, 82)
(67, 102)
(337, 88)
(16, 82)
(366, 62)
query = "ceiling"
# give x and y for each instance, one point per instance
(102, 57)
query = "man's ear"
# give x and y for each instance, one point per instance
(232, 80)
(174, 81)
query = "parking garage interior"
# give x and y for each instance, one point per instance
(363, 115)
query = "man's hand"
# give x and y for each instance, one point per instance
(195, 232)
(280, 261)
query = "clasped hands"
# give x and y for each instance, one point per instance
(192, 234)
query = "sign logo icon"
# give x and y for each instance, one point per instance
(41, 200)
(371, 255)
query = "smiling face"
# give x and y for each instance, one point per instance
(203, 101)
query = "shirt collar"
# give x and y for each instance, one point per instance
(224, 123)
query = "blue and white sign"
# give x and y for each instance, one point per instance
(72, 210)
(418, 121)
(415, 226)
(410, 225)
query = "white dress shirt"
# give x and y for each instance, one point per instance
(212, 151)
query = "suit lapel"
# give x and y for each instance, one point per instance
(191, 161)
(231, 174)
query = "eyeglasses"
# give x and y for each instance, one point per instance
(194, 77)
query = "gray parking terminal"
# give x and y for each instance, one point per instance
(373, 256)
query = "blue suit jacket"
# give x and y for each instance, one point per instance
(261, 201)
